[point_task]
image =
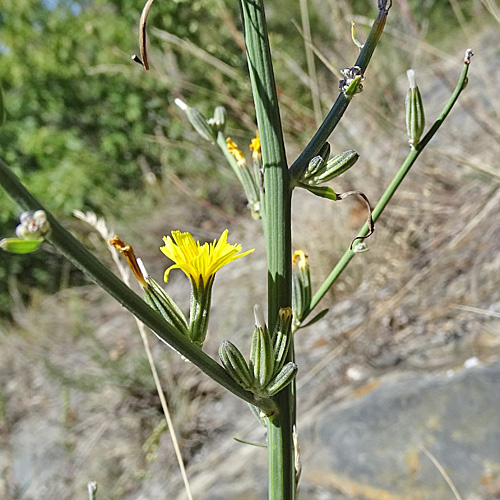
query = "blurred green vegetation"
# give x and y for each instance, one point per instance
(89, 129)
(81, 113)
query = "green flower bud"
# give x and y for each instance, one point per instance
(235, 364)
(282, 338)
(261, 352)
(284, 377)
(415, 116)
(159, 300)
(198, 121)
(218, 122)
(319, 171)
(315, 165)
(324, 152)
(338, 165)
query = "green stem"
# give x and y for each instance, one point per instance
(393, 186)
(277, 201)
(74, 251)
(340, 105)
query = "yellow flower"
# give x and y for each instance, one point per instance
(236, 152)
(300, 259)
(199, 262)
(255, 147)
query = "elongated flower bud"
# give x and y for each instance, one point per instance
(235, 365)
(249, 178)
(315, 165)
(284, 377)
(198, 121)
(158, 299)
(282, 338)
(317, 162)
(262, 356)
(415, 116)
(339, 164)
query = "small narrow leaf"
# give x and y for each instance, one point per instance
(316, 318)
(248, 442)
(321, 191)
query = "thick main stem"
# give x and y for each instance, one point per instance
(278, 232)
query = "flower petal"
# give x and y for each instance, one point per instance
(199, 261)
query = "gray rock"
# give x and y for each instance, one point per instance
(381, 445)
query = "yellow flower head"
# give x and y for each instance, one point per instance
(255, 147)
(199, 262)
(300, 259)
(236, 152)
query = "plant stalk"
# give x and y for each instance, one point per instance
(277, 224)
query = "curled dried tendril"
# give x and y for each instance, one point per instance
(143, 60)
(371, 224)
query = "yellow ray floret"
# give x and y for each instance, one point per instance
(300, 259)
(255, 146)
(199, 262)
(236, 152)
